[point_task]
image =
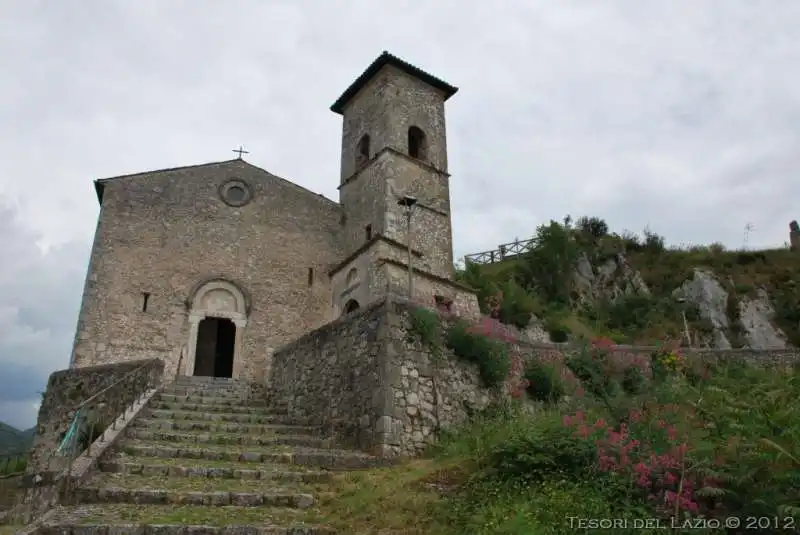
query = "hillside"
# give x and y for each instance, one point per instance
(578, 280)
(14, 441)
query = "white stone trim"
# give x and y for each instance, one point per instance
(200, 310)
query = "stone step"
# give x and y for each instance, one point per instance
(150, 467)
(203, 407)
(230, 387)
(227, 439)
(183, 520)
(327, 459)
(121, 480)
(158, 496)
(253, 417)
(218, 427)
(204, 380)
(220, 392)
(180, 529)
(212, 400)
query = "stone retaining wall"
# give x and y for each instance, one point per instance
(333, 376)
(371, 378)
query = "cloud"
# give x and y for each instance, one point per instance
(39, 295)
(680, 115)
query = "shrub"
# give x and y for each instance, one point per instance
(547, 267)
(633, 381)
(473, 346)
(425, 324)
(664, 363)
(558, 332)
(515, 306)
(543, 382)
(653, 242)
(541, 450)
(592, 226)
(589, 366)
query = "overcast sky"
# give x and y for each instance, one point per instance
(683, 115)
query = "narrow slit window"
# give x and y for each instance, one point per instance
(145, 299)
(310, 276)
(368, 232)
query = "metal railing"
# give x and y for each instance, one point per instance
(90, 420)
(504, 251)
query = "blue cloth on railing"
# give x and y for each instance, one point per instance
(72, 435)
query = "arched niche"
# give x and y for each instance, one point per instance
(213, 306)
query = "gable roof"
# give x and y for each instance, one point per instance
(388, 59)
(99, 184)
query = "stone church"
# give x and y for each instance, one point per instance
(212, 267)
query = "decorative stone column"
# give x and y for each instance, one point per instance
(238, 363)
(268, 366)
(194, 325)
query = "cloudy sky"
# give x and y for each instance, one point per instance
(683, 115)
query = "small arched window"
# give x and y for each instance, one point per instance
(351, 306)
(352, 275)
(417, 144)
(362, 153)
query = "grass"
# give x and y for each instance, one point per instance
(389, 501)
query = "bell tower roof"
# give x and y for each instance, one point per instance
(388, 59)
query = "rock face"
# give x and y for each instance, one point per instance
(755, 313)
(609, 279)
(755, 316)
(705, 291)
(614, 277)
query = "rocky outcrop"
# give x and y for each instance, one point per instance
(753, 326)
(754, 314)
(704, 291)
(755, 317)
(607, 279)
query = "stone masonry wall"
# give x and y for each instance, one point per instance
(333, 376)
(163, 233)
(66, 389)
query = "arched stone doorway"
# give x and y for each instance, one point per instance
(217, 316)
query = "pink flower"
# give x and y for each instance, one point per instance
(600, 423)
(672, 433)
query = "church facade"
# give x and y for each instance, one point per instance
(212, 267)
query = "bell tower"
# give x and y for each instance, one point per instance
(394, 147)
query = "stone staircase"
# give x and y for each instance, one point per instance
(206, 456)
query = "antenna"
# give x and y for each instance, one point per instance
(748, 228)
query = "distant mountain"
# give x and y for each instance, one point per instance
(12, 440)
